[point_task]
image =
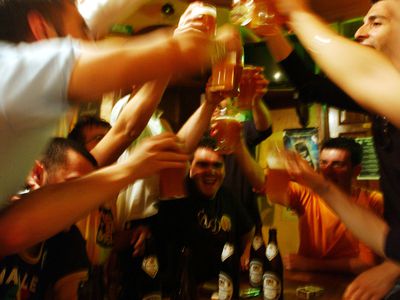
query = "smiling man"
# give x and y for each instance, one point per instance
(214, 213)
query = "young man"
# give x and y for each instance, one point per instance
(381, 32)
(56, 266)
(67, 70)
(325, 243)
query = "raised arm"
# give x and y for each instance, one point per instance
(130, 122)
(51, 209)
(261, 116)
(105, 67)
(363, 73)
(365, 225)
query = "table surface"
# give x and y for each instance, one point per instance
(333, 284)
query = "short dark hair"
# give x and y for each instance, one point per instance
(348, 144)
(207, 141)
(14, 25)
(76, 133)
(55, 153)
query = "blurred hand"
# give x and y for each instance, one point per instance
(261, 85)
(245, 258)
(139, 235)
(163, 151)
(213, 97)
(300, 171)
(374, 283)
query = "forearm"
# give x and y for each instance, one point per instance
(365, 225)
(195, 127)
(278, 45)
(252, 170)
(261, 116)
(51, 209)
(366, 82)
(131, 122)
(348, 265)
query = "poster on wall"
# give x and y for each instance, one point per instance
(370, 166)
(305, 142)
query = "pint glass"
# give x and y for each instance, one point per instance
(247, 87)
(172, 184)
(226, 75)
(226, 130)
(278, 178)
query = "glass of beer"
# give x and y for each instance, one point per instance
(278, 178)
(225, 77)
(265, 17)
(226, 129)
(247, 87)
(172, 184)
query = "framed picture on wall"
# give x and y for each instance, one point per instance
(305, 142)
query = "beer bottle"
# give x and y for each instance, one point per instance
(273, 269)
(150, 277)
(228, 282)
(257, 252)
(187, 288)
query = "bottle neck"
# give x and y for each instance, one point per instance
(272, 236)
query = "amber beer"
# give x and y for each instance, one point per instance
(278, 179)
(265, 17)
(172, 184)
(247, 87)
(226, 131)
(226, 75)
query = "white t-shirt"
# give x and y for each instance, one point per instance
(33, 95)
(139, 199)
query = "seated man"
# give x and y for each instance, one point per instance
(325, 242)
(58, 265)
(214, 213)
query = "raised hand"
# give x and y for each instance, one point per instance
(163, 151)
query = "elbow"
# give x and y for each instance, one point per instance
(11, 242)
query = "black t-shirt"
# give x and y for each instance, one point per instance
(314, 88)
(66, 254)
(212, 222)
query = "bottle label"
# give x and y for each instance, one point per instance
(256, 273)
(227, 251)
(257, 242)
(152, 296)
(271, 251)
(225, 286)
(150, 265)
(271, 286)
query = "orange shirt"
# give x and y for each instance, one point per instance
(322, 234)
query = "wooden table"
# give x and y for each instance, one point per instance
(334, 285)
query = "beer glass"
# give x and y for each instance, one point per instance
(226, 129)
(172, 184)
(278, 178)
(247, 87)
(225, 75)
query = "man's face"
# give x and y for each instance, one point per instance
(75, 166)
(207, 171)
(93, 135)
(381, 28)
(335, 165)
